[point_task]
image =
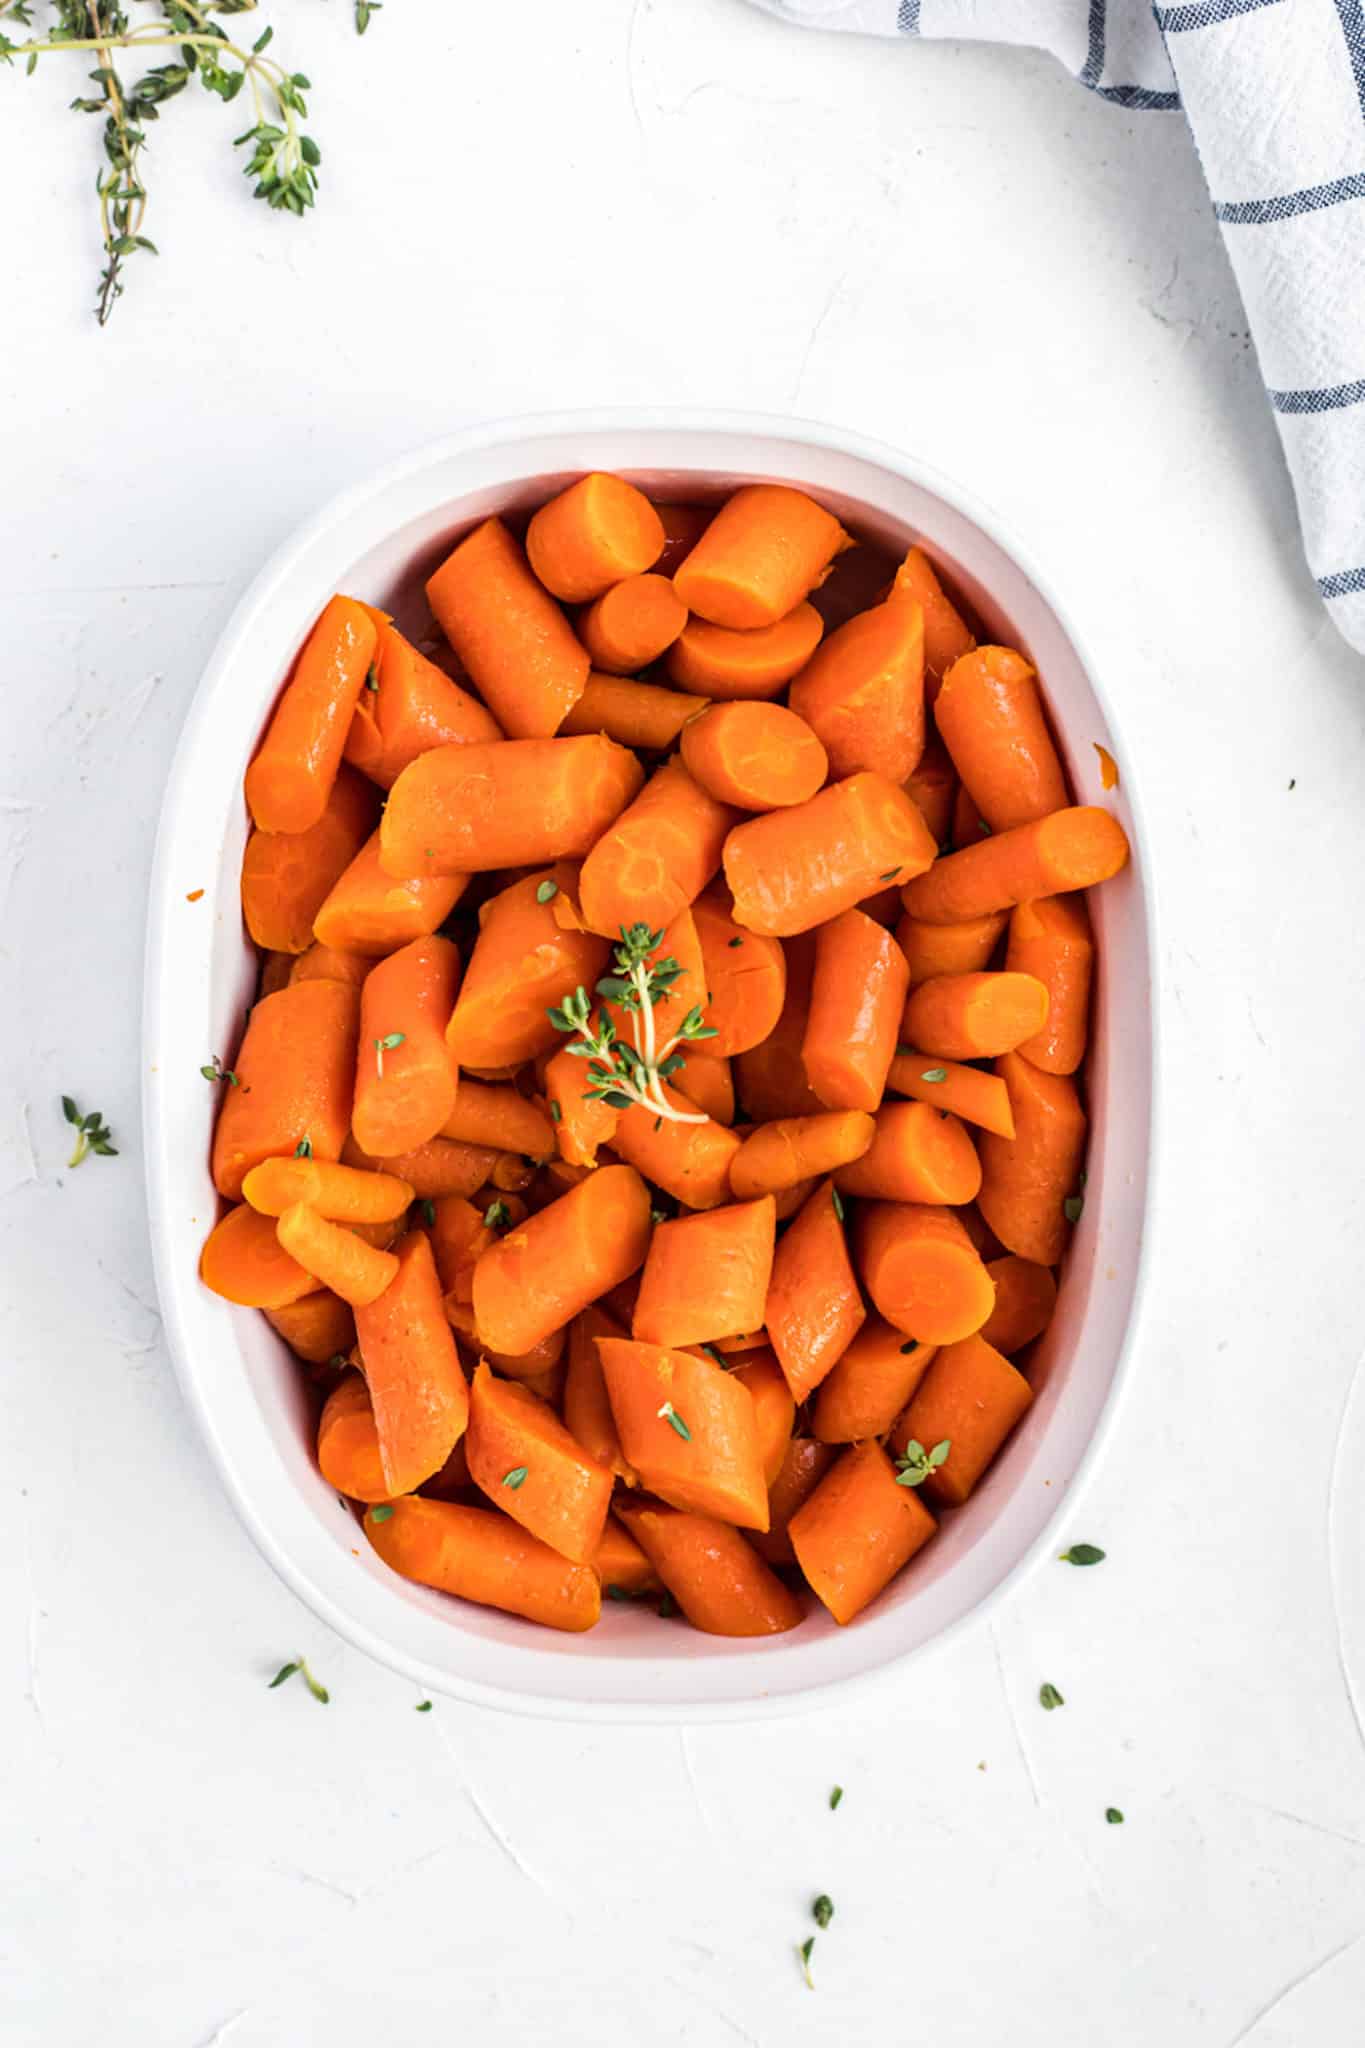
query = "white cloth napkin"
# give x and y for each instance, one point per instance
(1274, 91)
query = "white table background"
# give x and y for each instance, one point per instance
(959, 250)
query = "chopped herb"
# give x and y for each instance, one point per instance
(339, 1361)
(515, 1477)
(934, 1074)
(658, 1216)
(837, 1199)
(556, 1113)
(422, 1707)
(836, 1794)
(711, 1352)
(372, 677)
(804, 1953)
(92, 1133)
(1049, 1697)
(912, 1345)
(300, 1664)
(215, 1071)
(428, 1212)
(1082, 1553)
(736, 942)
(669, 1414)
(890, 875)
(1072, 1207)
(304, 1149)
(386, 1044)
(363, 11)
(285, 1671)
(915, 1464)
(496, 1215)
(1114, 1814)
(547, 892)
(383, 1513)
(822, 1911)
(1293, 783)
(658, 1123)
(985, 828)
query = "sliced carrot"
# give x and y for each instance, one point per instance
(857, 1530)
(532, 1367)
(946, 634)
(804, 1464)
(706, 1276)
(443, 1166)
(708, 1083)
(342, 1194)
(717, 1577)
(862, 692)
(814, 1308)
(777, 1155)
(1028, 1180)
(295, 1071)
(977, 1097)
(745, 980)
(542, 1273)
(922, 1270)
(582, 1122)
(991, 718)
(766, 549)
(417, 1387)
(587, 1405)
(405, 1081)
(245, 1262)
(688, 1430)
(523, 964)
(319, 1327)
(974, 1016)
(521, 1455)
(690, 1161)
(1073, 849)
(287, 876)
(510, 803)
(516, 644)
(758, 757)
(458, 1235)
(636, 714)
(408, 706)
(970, 1398)
(771, 1078)
(794, 869)
(715, 661)
(329, 963)
(763, 1379)
(291, 776)
(631, 624)
(348, 1442)
(491, 1113)
(657, 857)
(857, 996)
(1025, 1296)
(934, 949)
(917, 1154)
(870, 1384)
(369, 912)
(1050, 939)
(592, 535)
(336, 1257)
(482, 1556)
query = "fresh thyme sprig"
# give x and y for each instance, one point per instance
(915, 1464)
(92, 1132)
(629, 1073)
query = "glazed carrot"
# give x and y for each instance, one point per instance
(443, 1166)
(794, 1148)
(804, 1464)
(1026, 1181)
(458, 1235)
(581, 1122)
(922, 1270)
(510, 803)
(1073, 849)
(706, 1276)
(857, 1530)
(657, 857)
(758, 757)
(631, 624)
(319, 1327)
(708, 1083)
(408, 706)
(691, 1162)
(794, 869)
(968, 825)
(991, 718)
(932, 787)
(933, 949)
(621, 1565)
(291, 776)
(329, 963)
(763, 1379)
(683, 527)
(511, 1173)
(295, 1068)
(531, 1367)
(717, 1578)
(287, 876)
(771, 1079)
(636, 714)
(970, 1398)
(587, 1405)
(482, 1556)
(405, 1081)
(857, 996)
(1051, 940)
(870, 1384)
(336, 1257)
(766, 548)
(862, 692)
(946, 635)
(746, 980)
(593, 535)
(412, 1369)
(538, 1277)
(974, 1016)
(340, 1193)
(814, 1307)
(514, 641)
(521, 1455)
(1025, 1296)
(348, 1442)
(976, 1097)
(716, 661)
(277, 971)
(688, 1429)
(244, 1261)
(491, 1113)
(917, 1154)
(370, 912)
(523, 963)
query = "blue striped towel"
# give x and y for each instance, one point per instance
(1274, 91)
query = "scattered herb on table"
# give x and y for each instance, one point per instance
(915, 1464)
(630, 1072)
(822, 1911)
(300, 1665)
(1082, 1553)
(1049, 1697)
(92, 1133)
(422, 1707)
(804, 1954)
(1114, 1816)
(836, 1794)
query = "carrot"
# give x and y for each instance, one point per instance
(968, 825)
(485, 1557)
(970, 1399)
(745, 980)
(1025, 1296)
(717, 1578)
(869, 1385)
(511, 803)
(1073, 849)
(340, 1193)
(932, 786)
(408, 706)
(593, 535)
(581, 1122)
(691, 1162)
(290, 779)
(369, 912)
(917, 1154)
(244, 1261)
(814, 1308)
(763, 1379)
(416, 1383)
(538, 1277)
(336, 1257)
(587, 1406)
(794, 869)
(405, 1082)
(319, 1327)
(329, 963)
(621, 1565)
(516, 644)
(657, 857)
(1050, 939)
(531, 1367)
(857, 996)
(771, 1078)
(1027, 1180)
(348, 1442)
(716, 661)
(804, 1464)
(779, 1154)
(934, 949)
(922, 1270)
(766, 548)
(963, 1091)
(523, 963)
(707, 1276)
(631, 624)
(491, 1113)
(758, 757)
(458, 1234)
(441, 1167)
(521, 1455)
(857, 1530)
(287, 876)
(862, 692)
(991, 718)
(707, 1083)
(946, 635)
(688, 1429)
(636, 714)
(974, 1016)
(295, 1068)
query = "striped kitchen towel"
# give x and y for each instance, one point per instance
(1274, 91)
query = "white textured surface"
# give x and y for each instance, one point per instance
(961, 251)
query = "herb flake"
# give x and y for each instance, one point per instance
(1049, 1697)
(1081, 1553)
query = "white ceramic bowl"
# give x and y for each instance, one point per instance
(379, 541)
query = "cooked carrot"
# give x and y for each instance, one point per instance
(523, 963)
(968, 826)
(443, 1166)
(277, 971)
(794, 869)
(746, 980)
(747, 1340)
(537, 1278)
(244, 1261)
(621, 1565)
(587, 1405)
(766, 548)
(657, 857)
(779, 1154)
(631, 624)
(318, 1327)
(763, 1379)
(370, 912)
(336, 1257)
(521, 1455)
(511, 1173)
(636, 714)
(862, 692)
(582, 1122)
(291, 776)
(976, 1097)
(814, 1307)
(991, 718)
(857, 1530)
(329, 963)
(348, 1442)
(405, 1081)
(417, 1386)
(514, 641)
(1051, 940)
(689, 1161)
(758, 757)
(804, 1464)
(531, 1367)
(917, 1154)
(771, 1079)
(683, 527)
(857, 996)
(342, 1194)
(706, 1276)
(688, 1429)
(946, 635)
(381, 1235)
(1027, 1180)
(708, 1083)
(482, 1556)
(716, 1576)
(295, 1069)
(491, 1113)
(870, 1384)
(922, 1270)
(932, 787)
(510, 803)
(974, 1016)
(970, 1398)
(409, 706)
(458, 1235)
(593, 535)
(716, 661)
(1073, 849)
(1025, 1296)
(287, 876)
(933, 949)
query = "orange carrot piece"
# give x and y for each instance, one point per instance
(523, 963)
(1025, 1297)
(510, 803)
(458, 1235)
(584, 1122)
(348, 1442)
(636, 714)
(763, 1379)
(804, 1464)
(766, 549)
(340, 1193)
(707, 1083)
(706, 1276)
(621, 1565)
(329, 963)
(1073, 849)
(492, 1113)
(968, 825)
(417, 1387)
(715, 661)
(683, 527)
(408, 707)
(587, 1405)
(295, 1068)
(443, 1166)
(688, 1429)
(532, 1367)
(290, 778)
(970, 1398)
(287, 876)
(792, 870)
(758, 757)
(857, 1530)
(593, 535)
(484, 1557)
(934, 949)
(1027, 1180)
(537, 1278)
(515, 643)
(946, 634)
(857, 996)
(932, 787)
(690, 1161)
(771, 1078)
(657, 857)
(977, 1097)
(716, 1576)
(336, 1257)
(631, 624)
(521, 1455)
(777, 1155)
(922, 1270)
(974, 1016)
(917, 1154)
(745, 982)
(1050, 939)
(405, 1081)
(991, 718)
(243, 1261)
(370, 912)
(862, 692)
(869, 1385)
(318, 1328)
(814, 1308)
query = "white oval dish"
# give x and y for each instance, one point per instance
(379, 541)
